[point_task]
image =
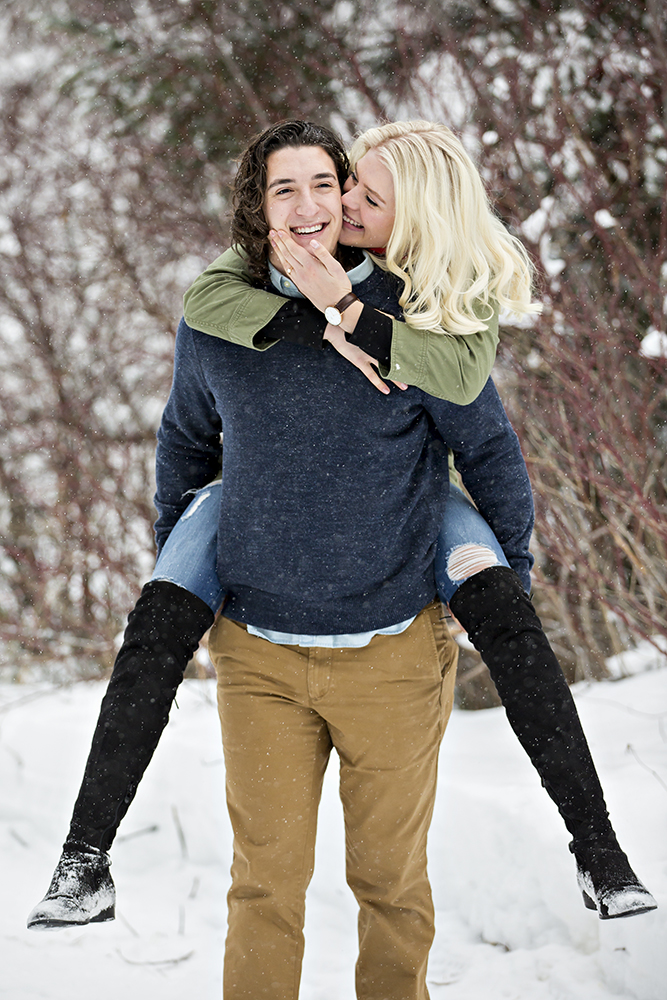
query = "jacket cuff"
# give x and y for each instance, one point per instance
(373, 334)
(298, 322)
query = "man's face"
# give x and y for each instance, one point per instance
(303, 196)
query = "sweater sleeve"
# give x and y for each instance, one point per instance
(487, 454)
(223, 303)
(188, 449)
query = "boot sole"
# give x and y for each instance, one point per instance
(628, 913)
(590, 904)
(52, 923)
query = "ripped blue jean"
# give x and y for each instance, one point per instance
(189, 556)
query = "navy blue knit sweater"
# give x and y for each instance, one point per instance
(333, 493)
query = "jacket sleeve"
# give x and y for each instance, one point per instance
(222, 303)
(451, 367)
(188, 450)
(487, 454)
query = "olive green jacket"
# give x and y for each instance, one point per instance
(222, 303)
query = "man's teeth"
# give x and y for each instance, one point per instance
(306, 230)
(351, 222)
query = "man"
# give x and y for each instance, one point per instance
(330, 635)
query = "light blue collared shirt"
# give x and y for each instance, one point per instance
(353, 640)
(287, 287)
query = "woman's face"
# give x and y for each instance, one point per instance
(369, 207)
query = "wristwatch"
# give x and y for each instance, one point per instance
(334, 314)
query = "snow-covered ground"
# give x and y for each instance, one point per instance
(510, 921)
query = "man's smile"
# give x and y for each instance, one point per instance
(317, 227)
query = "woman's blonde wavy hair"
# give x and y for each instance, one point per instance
(457, 260)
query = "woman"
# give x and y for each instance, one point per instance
(454, 274)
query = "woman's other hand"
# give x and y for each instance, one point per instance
(364, 362)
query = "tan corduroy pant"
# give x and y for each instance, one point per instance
(282, 708)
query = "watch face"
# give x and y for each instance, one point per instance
(332, 315)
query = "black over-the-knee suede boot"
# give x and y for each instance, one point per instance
(504, 628)
(162, 633)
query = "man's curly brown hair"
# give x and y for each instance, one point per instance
(250, 231)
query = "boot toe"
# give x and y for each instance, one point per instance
(626, 902)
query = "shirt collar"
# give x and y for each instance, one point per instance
(287, 287)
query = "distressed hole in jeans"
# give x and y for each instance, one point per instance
(466, 560)
(195, 506)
